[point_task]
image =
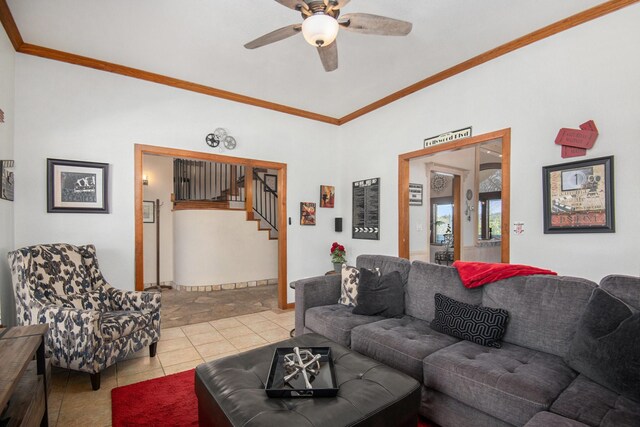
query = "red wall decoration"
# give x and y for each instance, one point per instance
(576, 142)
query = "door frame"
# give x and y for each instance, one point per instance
(140, 150)
(403, 186)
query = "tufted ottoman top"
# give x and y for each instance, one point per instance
(231, 392)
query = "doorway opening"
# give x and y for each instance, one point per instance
(465, 194)
(230, 164)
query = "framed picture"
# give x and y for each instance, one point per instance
(415, 194)
(6, 179)
(307, 213)
(148, 211)
(327, 196)
(578, 197)
(77, 187)
(271, 183)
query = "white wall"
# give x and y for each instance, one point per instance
(69, 112)
(7, 77)
(588, 72)
(213, 247)
(159, 171)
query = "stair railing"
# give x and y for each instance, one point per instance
(202, 180)
(265, 201)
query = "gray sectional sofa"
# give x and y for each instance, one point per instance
(526, 382)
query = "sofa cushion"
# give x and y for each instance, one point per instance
(380, 295)
(627, 288)
(595, 405)
(349, 286)
(547, 419)
(447, 411)
(400, 343)
(426, 280)
(385, 264)
(481, 325)
(336, 322)
(543, 310)
(606, 347)
(118, 324)
(511, 383)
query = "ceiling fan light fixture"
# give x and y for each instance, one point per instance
(320, 29)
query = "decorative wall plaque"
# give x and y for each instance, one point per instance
(366, 209)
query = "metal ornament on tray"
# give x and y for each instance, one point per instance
(218, 136)
(301, 362)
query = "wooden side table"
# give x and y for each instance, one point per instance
(23, 391)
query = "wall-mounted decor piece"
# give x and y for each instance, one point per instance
(454, 135)
(6, 179)
(415, 194)
(327, 196)
(1, 116)
(366, 209)
(307, 213)
(149, 211)
(77, 187)
(576, 142)
(578, 197)
(220, 136)
(271, 183)
(439, 182)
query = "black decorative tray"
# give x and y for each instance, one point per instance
(323, 384)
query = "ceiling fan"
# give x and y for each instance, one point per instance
(320, 25)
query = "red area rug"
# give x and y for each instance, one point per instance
(166, 401)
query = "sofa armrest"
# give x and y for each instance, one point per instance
(147, 301)
(314, 292)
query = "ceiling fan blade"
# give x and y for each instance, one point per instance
(294, 4)
(373, 24)
(336, 4)
(275, 36)
(329, 56)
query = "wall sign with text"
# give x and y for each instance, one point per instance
(448, 137)
(366, 209)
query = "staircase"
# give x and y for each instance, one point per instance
(210, 185)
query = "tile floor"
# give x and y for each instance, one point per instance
(73, 403)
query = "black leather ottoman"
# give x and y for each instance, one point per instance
(231, 392)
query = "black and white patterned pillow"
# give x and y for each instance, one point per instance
(349, 286)
(481, 325)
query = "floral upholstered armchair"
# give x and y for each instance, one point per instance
(91, 324)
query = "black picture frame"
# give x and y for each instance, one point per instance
(271, 183)
(578, 197)
(75, 186)
(7, 178)
(148, 211)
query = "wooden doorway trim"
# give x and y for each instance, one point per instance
(403, 186)
(140, 150)
(457, 214)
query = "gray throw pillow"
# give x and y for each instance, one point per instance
(380, 295)
(606, 346)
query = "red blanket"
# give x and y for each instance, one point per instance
(474, 274)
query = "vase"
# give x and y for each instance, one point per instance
(337, 267)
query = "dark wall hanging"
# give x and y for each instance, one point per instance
(578, 197)
(77, 187)
(366, 209)
(6, 179)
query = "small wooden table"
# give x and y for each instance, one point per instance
(23, 392)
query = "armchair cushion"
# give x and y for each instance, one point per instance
(118, 324)
(60, 267)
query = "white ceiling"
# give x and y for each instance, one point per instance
(202, 41)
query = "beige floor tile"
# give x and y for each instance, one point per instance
(171, 333)
(200, 339)
(143, 352)
(215, 348)
(269, 314)
(178, 356)
(180, 367)
(225, 323)
(174, 344)
(220, 356)
(198, 328)
(245, 341)
(263, 326)
(286, 323)
(134, 366)
(275, 335)
(236, 332)
(142, 376)
(251, 318)
(81, 417)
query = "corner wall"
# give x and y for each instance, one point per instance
(588, 72)
(7, 83)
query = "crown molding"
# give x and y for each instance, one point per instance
(44, 52)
